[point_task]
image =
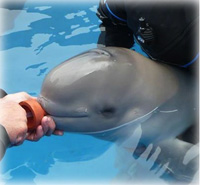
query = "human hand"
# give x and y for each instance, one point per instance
(13, 119)
(47, 126)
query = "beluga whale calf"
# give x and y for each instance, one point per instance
(102, 90)
(109, 91)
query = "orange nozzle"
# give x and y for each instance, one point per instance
(34, 112)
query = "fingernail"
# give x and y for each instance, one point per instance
(19, 139)
(49, 119)
(45, 119)
(60, 133)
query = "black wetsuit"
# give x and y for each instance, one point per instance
(4, 138)
(167, 32)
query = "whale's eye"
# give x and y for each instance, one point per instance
(108, 112)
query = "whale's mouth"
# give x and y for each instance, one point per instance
(70, 116)
(66, 115)
(59, 112)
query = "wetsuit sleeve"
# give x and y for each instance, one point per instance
(114, 29)
(4, 138)
(4, 141)
(2, 93)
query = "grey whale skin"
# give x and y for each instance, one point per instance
(105, 88)
(109, 92)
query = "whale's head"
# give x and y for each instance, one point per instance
(94, 91)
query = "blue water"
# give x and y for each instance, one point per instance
(43, 35)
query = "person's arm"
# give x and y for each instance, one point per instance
(4, 141)
(13, 123)
(2, 93)
(114, 29)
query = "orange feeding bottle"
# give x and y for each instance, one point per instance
(34, 112)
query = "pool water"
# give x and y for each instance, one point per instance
(43, 35)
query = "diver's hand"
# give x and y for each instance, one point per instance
(13, 118)
(47, 128)
(17, 97)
